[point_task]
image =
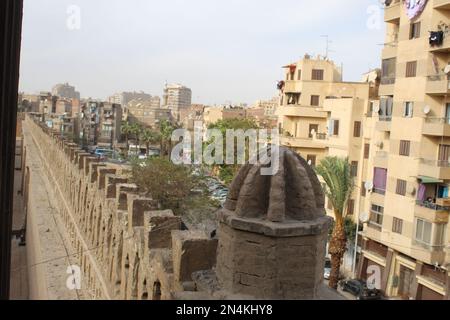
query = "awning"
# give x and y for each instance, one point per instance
(429, 180)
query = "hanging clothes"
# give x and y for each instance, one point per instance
(436, 38)
(421, 192)
(414, 8)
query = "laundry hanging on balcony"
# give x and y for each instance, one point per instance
(436, 38)
(414, 8)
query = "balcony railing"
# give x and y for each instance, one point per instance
(437, 120)
(436, 163)
(432, 205)
(379, 191)
(321, 136)
(385, 118)
(382, 154)
(387, 80)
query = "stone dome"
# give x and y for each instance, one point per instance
(293, 193)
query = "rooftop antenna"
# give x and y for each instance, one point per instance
(328, 41)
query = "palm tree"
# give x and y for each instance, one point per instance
(126, 130)
(166, 129)
(136, 130)
(336, 172)
(149, 137)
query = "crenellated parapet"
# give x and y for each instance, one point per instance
(270, 244)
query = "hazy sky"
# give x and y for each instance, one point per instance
(227, 50)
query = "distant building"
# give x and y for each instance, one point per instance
(64, 90)
(176, 98)
(269, 106)
(123, 98)
(146, 112)
(63, 106)
(100, 124)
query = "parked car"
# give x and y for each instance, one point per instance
(103, 153)
(359, 289)
(327, 269)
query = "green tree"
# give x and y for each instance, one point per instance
(126, 131)
(166, 130)
(173, 186)
(150, 137)
(226, 172)
(336, 173)
(136, 130)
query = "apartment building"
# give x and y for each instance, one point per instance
(123, 98)
(406, 205)
(146, 112)
(176, 97)
(100, 124)
(65, 90)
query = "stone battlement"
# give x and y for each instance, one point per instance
(128, 247)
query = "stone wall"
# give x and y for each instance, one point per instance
(125, 245)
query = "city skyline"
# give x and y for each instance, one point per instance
(218, 61)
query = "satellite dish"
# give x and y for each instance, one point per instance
(376, 108)
(368, 185)
(411, 190)
(313, 132)
(364, 217)
(426, 110)
(379, 144)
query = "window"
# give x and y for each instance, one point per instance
(397, 225)
(317, 74)
(292, 75)
(351, 207)
(357, 129)
(313, 127)
(401, 187)
(376, 215)
(363, 189)
(354, 168)
(379, 180)
(423, 231)
(299, 75)
(315, 100)
(386, 108)
(311, 159)
(333, 129)
(414, 31)
(366, 151)
(388, 71)
(405, 147)
(411, 69)
(444, 154)
(408, 109)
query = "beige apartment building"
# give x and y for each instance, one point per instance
(321, 115)
(146, 112)
(406, 207)
(177, 97)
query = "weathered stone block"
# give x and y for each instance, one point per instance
(137, 206)
(101, 176)
(158, 227)
(192, 251)
(111, 185)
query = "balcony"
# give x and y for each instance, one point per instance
(433, 212)
(387, 86)
(381, 159)
(377, 196)
(292, 86)
(384, 124)
(390, 50)
(435, 168)
(392, 12)
(303, 143)
(438, 85)
(302, 111)
(439, 127)
(442, 4)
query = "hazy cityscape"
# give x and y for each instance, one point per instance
(318, 171)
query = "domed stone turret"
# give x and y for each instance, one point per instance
(293, 193)
(273, 231)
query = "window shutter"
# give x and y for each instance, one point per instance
(411, 68)
(401, 187)
(357, 129)
(366, 151)
(336, 128)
